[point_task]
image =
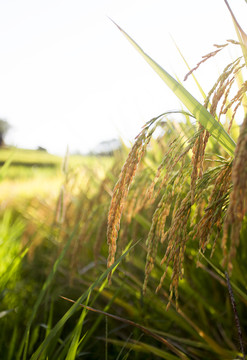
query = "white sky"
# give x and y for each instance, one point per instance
(68, 76)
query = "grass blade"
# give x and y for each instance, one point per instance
(76, 335)
(75, 307)
(47, 283)
(198, 110)
(186, 63)
(143, 328)
(141, 347)
(219, 272)
(240, 33)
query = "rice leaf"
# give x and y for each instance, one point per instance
(240, 33)
(75, 307)
(97, 322)
(12, 344)
(186, 63)
(25, 341)
(76, 335)
(143, 328)
(219, 272)
(141, 347)
(198, 110)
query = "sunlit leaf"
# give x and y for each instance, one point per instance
(198, 110)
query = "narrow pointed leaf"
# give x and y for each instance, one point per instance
(240, 32)
(186, 63)
(198, 110)
(60, 324)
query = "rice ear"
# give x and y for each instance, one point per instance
(238, 199)
(121, 191)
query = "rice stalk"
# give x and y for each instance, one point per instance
(182, 181)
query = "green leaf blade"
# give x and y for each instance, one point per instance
(198, 110)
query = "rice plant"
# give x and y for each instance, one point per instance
(199, 195)
(178, 207)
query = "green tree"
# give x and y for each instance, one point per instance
(4, 128)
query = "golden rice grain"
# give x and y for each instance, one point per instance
(120, 193)
(238, 199)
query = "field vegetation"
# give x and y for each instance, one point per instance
(140, 255)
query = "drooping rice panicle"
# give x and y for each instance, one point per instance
(155, 233)
(170, 182)
(120, 193)
(121, 189)
(238, 199)
(173, 183)
(176, 238)
(237, 98)
(177, 149)
(136, 200)
(197, 161)
(168, 163)
(152, 243)
(225, 99)
(216, 89)
(213, 212)
(205, 58)
(218, 95)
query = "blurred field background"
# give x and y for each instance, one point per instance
(29, 173)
